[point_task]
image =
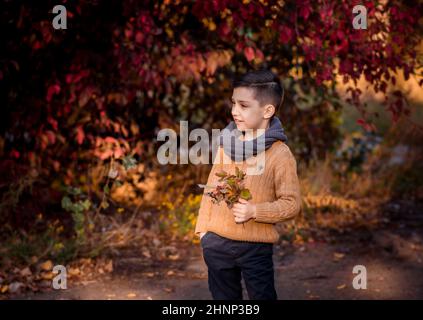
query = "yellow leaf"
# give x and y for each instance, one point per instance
(338, 256)
(47, 265)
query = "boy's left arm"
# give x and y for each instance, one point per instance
(287, 190)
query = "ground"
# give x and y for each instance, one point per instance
(392, 255)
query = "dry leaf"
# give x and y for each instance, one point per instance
(338, 256)
(342, 286)
(74, 271)
(149, 274)
(146, 253)
(26, 272)
(47, 265)
(15, 287)
(109, 266)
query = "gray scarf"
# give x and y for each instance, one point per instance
(240, 150)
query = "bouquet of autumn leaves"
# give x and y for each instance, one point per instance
(230, 189)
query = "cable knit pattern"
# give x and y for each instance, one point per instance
(276, 193)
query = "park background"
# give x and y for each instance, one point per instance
(80, 112)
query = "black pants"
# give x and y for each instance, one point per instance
(227, 259)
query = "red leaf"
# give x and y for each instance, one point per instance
(305, 11)
(128, 33)
(15, 154)
(285, 34)
(366, 125)
(259, 54)
(52, 90)
(249, 53)
(52, 122)
(139, 37)
(239, 46)
(51, 137)
(36, 45)
(80, 135)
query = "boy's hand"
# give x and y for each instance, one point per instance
(243, 211)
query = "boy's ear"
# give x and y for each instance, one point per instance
(269, 111)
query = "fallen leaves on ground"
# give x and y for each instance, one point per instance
(39, 275)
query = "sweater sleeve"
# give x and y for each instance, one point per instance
(287, 191)
(205, 204)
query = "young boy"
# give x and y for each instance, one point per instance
(239, 241)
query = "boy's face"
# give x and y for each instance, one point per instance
(246, 110)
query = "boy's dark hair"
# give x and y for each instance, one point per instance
(267, 87)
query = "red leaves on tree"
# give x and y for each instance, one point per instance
(80, 135)
(149, 52)
(305, 10)
(285, 34)
(51, 91)
(366, 125)
(249, 53)
(76, 77)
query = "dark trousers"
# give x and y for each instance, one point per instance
(228, 259)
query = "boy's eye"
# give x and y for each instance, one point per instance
(233, 103)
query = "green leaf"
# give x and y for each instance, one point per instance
(245, 194)
(221, 174)
(129, 162)
(106, 189)
(231, 183)
(66, 203)
(73, 191)
(86, 204)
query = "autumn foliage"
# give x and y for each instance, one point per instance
(99, 91)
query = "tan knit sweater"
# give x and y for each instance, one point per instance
(276, 193)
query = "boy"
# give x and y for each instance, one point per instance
(239, 241)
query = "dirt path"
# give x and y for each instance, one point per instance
(392, 255)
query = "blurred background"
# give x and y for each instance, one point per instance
(81, 108)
